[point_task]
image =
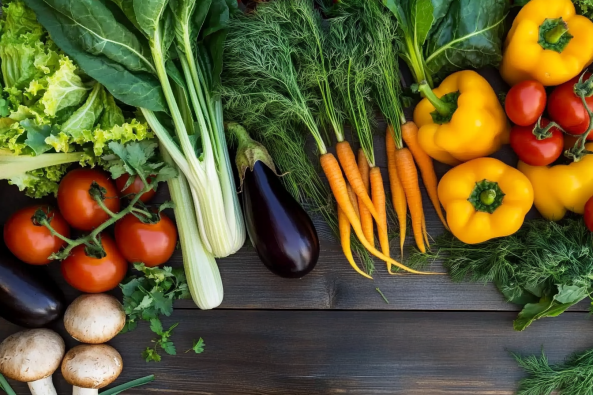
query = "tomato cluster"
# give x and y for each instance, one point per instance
(536, 140)
(152, 243)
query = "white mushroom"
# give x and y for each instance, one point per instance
(32, 356)
(91, 367)
(94, 318)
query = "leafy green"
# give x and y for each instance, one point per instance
(584, 7)
(574, 376)
(150, 295)
(442, 36)
(64, 89)
(546, 267)
(198, 346)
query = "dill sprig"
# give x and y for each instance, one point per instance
(572, 377)
(273, 95)
(546, 266)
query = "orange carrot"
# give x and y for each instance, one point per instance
(378, 194)
(337, 183)
(398, 195)
(425, 164)
(366, 219)
(344, 226)
(350, 167)
(409, 176)
(353, 199)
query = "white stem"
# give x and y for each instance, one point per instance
(42, 387)
(84, 391)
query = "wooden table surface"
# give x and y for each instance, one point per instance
(331, 332)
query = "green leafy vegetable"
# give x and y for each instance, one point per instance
(574, 376)
(442, 36)
(198, 346)
(546, 267)
(149, 296)
(584, 7)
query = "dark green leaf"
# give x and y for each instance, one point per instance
(421, 15)
(119, 70)
(148, 15)
(468, 36)
(169, 347)
(129, 287)
(163, 304)
(156, 326)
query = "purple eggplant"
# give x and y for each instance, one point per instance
(279, 228)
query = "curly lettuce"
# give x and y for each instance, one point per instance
(51, 113)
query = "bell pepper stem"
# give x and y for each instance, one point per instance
(488, 197)
(443, 108)
(554, 35)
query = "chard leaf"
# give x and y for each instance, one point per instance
(127, 7)
(469, 35)
(135, 88)
(87, 115)
(92, 25)
(421, 16)
(148, 15)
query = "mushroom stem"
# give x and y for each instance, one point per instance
(42, 387)
(84, 391)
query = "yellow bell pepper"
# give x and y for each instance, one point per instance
(561, 188)
(548, 42)
(484, 199)
(460, 120)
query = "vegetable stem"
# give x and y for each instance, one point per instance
(555, 34)
(128, 385)
(443, 108)
(5, 386)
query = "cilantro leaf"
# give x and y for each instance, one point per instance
(169, 348)
(198, 346)
(150, 355)
(156, 326)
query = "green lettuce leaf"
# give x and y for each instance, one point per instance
(112, 114)
(86, 116)
(64, 88)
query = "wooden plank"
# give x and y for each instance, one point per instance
(309, 352)
(332, 285)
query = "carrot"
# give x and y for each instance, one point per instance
(366, 219)
(398, 195)
(378, 194)
(425, 164)
(350, 167)
(332, 171)
(353, 200)
(344, 226)
(409, 176)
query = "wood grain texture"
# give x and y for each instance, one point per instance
(334, 352)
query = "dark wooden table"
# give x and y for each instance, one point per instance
(331, 332)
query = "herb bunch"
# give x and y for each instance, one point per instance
(572, 377)
(546, 267)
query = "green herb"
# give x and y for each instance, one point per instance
(198, 346)
(434, 43)
(5, 386)
(163, 342)
(383, 296)
(131, 384)
(584, 7)
(574, 376)
(545, 267)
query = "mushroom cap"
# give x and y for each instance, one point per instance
(94, 318)
(92, 366)
(31, 355)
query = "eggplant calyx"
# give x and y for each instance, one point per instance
(249, 151)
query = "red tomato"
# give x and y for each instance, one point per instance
(567, 110)
(94, 275)
(33, 243)
(136, 187)
(76, 204)
(536, 152)
(526, 102)
(152, 244)
(589, 214)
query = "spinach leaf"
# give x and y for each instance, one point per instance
(121, 68)
(468, 36)
(550, 306)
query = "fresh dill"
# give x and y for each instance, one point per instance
(574, 376)
(546, 267)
